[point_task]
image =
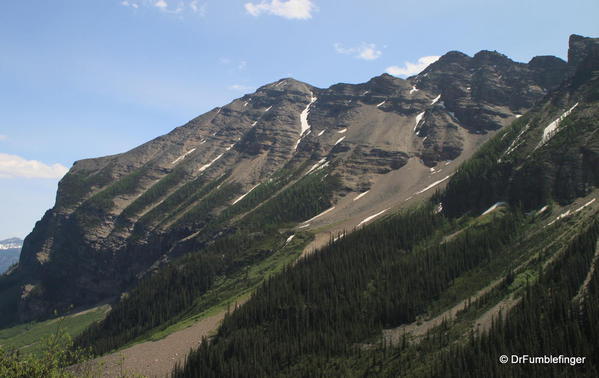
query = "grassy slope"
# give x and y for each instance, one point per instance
(26, 337)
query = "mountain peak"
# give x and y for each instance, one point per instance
(490, 57)
(285, 84)
(580, 47)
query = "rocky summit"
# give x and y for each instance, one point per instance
(385, 142)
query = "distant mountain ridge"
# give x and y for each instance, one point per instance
(10, 250)
(11, 243)
(385, 142)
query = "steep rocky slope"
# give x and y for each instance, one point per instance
(393, 139)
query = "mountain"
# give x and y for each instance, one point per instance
(263, 164)
(11, 243)
(502, 263)
(10, 249)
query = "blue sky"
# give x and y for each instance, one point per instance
(90, 78)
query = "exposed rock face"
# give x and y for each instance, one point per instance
(551, 155)
(115, 216)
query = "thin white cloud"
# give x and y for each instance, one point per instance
(242, 65)
(366, 51)
(410, 68)
(12, 166)
(3, 137)
(198, 8)
(240, 88)
(131, 4)
(161, 4)
(291, 9)
(193, 6)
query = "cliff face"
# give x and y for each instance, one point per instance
(116, 216)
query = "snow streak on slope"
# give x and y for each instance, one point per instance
(339, 140)
(300, 139)
(243, 196)
(361, 195)
(381, 104)
(418, 119)
(371, 217)
(183, 156)
(432, 185)
(321, 164)
(435, 100)
(495, 206)
(585, 205)
(414, 89)
(304, 115)
(551, 129)
(319, 215)
(516, 142)
(206, 166)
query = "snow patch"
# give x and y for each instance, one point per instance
(342, 131)
(552, 128)
(365, 93)
(518, 115)
(561, 216)
(300, 139)
(516, 142)
(418, 119)
(320, 133)
(435, 100)
(543, 209)
(183, 156)
(304, 226)
(254, 124)
(243, 196)
(495, 206)
(339, 140)
(289, 239)
(206, 166)
(317, 165)
(433, 185)
(585, 205)
(267, 109)
(381, 104)
(304, 115)
(320, 215)
(414, 89)
(371, 217)
(361, 195)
